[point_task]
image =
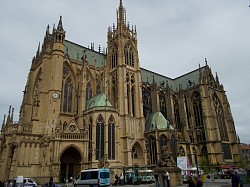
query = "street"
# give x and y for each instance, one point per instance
(215, 183)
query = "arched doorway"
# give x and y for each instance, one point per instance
(137, 155)
(70, 164)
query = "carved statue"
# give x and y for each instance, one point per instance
(103, 163)
(166, 158)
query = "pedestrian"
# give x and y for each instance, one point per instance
(190, 182)
(157, 180)
(51, 183)
(197, 181)
(235, 179)
(164, 178)
(168, 178)
(116, 179)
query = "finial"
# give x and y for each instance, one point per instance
(120, 3)
(206, 61)
(60, 26)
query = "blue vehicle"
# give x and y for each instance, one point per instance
(93, 178)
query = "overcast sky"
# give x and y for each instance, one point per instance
(174, 37)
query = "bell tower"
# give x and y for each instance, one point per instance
(124, 67)
(124, 87)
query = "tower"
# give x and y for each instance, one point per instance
(125, 82)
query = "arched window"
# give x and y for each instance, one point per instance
(204, 154)
(197, 107)
(152, 150)
(163, 107)
(111, 138)
(176, 113)
(99, 138)
(181, 151)
(220, 119)
(98, 86)
(90, 139)
(133, 100)
(67, 86)
(147, 101)
(88, 91)
(114, 89)
(129, 55)
(173, 146)
(113, 58)
(163, 141)
(36, 94)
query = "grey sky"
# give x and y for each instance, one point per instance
(174, 37)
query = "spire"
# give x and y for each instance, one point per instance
(8, 117)
(12, 115)
(3, 124)
(60, 25)
(38, 50)
(121, 14)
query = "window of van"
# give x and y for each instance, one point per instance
(104, 175)
(89, 175)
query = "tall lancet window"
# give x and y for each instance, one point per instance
(133, 100)
(176, 113)
(152, 150)
(197, 107)
(88, 91)
(114, 89)
(113, 59)
(36, 94)
(147, 101)
(220, 119)
(111, 138)
(99, 138)
(90, 152)
(98, 86)
(67, 87)
(129, 55)
(163, 106)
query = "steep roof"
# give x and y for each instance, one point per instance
(99, 100)
(157, 121)
(75, 52)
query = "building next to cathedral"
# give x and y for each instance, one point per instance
(83, 108)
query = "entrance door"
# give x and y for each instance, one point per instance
(70, 164)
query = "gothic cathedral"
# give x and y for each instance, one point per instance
(83, 108)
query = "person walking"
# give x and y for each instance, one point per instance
(163, 178)
(51, 183)
(167, 178)
(190, 182)
(197, 181)
(157, 180)
(235, 179)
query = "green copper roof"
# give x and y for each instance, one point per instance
(185, 81)
(157, 121)
(99, 100)
(75, 52)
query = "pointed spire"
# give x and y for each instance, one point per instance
(8, 117)
(38, 50)
(60, 25)
(121, 15)
(3, 124)
(206, 61)
(47, 30)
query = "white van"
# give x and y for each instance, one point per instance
(25, 182)
(93, 177)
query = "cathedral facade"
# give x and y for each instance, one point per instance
(83, 108)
